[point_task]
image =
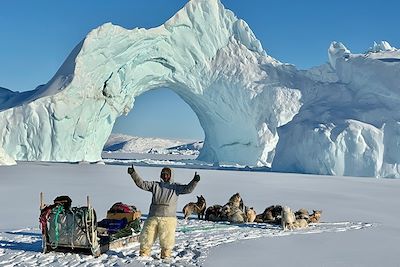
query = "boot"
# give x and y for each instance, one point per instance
(165, 253)
(144, 252)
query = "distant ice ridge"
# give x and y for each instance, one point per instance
(381, 47)
(133, 144)
(340, 118)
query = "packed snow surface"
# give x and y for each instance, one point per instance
(340, 118)
(359, 224)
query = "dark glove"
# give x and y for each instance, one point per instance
(131, 169)
(196, 177)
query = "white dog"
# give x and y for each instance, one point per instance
(288, 218)
(250, 214)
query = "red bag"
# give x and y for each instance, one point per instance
(120, 207)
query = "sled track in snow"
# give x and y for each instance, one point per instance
(193, 240)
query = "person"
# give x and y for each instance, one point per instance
(161, 220)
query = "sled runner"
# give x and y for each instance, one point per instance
(75, 229)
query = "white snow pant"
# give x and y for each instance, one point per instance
(164, 229)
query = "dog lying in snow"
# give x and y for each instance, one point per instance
(315, 216)
(199, 207)
(222, 213)
(231, 211)
(236, 215)
(302, 214)
(288, 219)
(301, 223)
(272, 215)
(213, 213)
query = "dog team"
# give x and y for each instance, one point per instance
(235, 212)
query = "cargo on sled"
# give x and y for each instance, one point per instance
(75, 229)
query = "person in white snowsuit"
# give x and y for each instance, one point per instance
(161, 221)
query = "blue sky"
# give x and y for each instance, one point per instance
(37, 36)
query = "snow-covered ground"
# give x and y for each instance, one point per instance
(360, 217)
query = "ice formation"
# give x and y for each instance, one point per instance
(209, 57)
(339, 118)
(349, 126)
(382, 46)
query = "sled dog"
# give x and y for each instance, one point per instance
(199, 207)
(301, 223)
(236, 215)
(214, 213)
(272, 214)
(250, 214)
(315, 216)
(225, 212)
(236, 201)
(302, 214)
(288, 219)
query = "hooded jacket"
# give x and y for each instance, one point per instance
(165, 194)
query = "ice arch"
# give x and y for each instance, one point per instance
(206, 55)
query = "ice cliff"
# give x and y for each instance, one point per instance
(339, 118)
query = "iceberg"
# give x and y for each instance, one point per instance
(348, 125)
(338, 118)
(204, 53)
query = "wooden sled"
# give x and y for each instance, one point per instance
(93, 247)
(119, 243)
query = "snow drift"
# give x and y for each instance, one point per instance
(339, 118)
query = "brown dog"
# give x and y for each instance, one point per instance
(315, 216)
(199, 207)
(214, 213)
(236, 201)
(272, 215)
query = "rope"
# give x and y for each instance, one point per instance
(60, 209)
(72, 229)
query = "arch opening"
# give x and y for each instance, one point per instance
(159, 122)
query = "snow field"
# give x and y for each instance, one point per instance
(359, 220)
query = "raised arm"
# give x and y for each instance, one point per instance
(145, 185)
(187, 189)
